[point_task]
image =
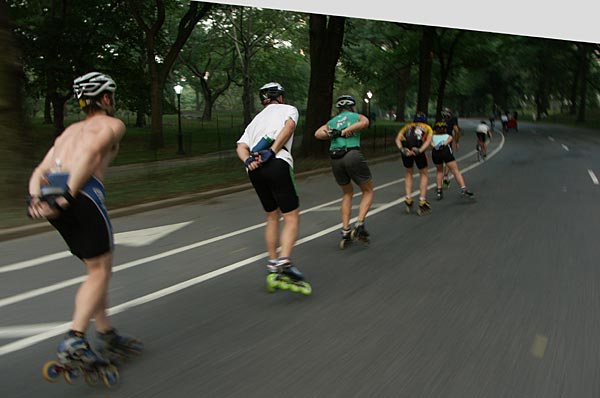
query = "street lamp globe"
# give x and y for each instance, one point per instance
(178, 89)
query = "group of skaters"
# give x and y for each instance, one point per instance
(66, 188)
(265, 145)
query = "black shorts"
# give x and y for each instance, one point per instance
(420, 160)
(85, 225)
(275, 186)
(443, 155)
(353, 166)
(481, 137)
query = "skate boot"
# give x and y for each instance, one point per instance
(360, 233)
(446, 183)
(439, 194)
(424, 208)
(346, 238)
(466, 193)
(287, 277)
(76, 358)
(408, 202)
(117, 347)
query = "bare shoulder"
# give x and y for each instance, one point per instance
(105, 125)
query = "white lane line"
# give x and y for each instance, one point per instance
(593, 176)
(11, 332)
(566, 148)
(550, 138)
(61, 328)
(36, 261)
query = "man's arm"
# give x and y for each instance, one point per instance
(284, 135)
(322, 133)
(363, 123)
(243, 152)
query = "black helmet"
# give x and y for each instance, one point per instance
(420, 118)
(270, 92)
(345, 101)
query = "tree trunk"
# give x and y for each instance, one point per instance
(326, 35)
(403, 85)
(247, 97)
(425, 66)
(140, 118)
(583, 84)
(16, 162)
(47, 110)
(58, 113)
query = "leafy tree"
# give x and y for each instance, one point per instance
(151, 19)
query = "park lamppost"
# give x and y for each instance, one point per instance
(178, 89)
(369, 96)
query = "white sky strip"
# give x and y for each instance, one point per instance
(61, 328)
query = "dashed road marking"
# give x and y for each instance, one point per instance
(593, 176)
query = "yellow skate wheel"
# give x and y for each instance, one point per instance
(306, 289)
(110, 375)
(71, 375)
(294, 287)
(91, 378)
(51, 371)
(272, 283)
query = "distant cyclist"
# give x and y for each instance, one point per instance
(454, 130)
(483, 132)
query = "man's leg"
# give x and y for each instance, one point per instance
(91, 298)
(408, 180)
(272, 233)
(346, 207)
(289, 232)
(366, 200)
(423, 185)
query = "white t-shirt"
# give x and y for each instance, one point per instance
(483, 128)
(504, 118)
(269, 123)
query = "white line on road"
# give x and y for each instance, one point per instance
(61, 328)
(593, 176)
(11, 332)
(550, 138)
(566, 148)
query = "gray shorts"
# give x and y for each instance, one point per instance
(353, 166)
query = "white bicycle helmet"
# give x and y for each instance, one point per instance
(270, 92)
(345, 101)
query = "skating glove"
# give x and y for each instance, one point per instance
(266, 155)
(404, 151)
(335, 133)
(416, 151)
(249, 161)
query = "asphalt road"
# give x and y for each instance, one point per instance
(496, 297)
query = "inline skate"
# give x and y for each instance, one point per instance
(76, 358)
(424, 208)
(117, 347)
(283, 275)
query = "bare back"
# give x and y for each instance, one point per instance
(84, 149)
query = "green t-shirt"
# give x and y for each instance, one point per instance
(340, 122)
